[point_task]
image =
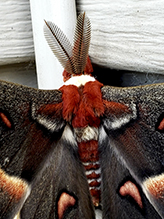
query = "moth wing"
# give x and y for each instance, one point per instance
(23, 145)
(132, 128)
(39, 170)
(114, 174)
(62, 189)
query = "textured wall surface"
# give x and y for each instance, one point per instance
(16, 41)
(127, 34)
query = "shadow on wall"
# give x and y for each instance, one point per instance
(25, 73)
(22, 73)
(124, 78)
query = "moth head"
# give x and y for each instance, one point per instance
(74, 59)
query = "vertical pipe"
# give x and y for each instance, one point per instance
(62, 13)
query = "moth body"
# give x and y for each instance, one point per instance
(85, 118)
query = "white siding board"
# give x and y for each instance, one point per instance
(127, 35)
(16, 41)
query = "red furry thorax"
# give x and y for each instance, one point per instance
(83, 105)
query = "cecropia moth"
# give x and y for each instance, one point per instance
(58, 148)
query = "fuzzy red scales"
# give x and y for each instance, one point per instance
(83, 106)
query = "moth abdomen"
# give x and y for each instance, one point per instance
(89, 156)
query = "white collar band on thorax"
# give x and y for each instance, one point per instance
(79, 80)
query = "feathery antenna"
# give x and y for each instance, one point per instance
(60, 45)
(81, 42)
(73, 59)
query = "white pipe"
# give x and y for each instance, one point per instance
(62, 13)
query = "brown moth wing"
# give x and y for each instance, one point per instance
(31, 156)
(63, 176)
(132, 124)
(114, 174)
(23, 145)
